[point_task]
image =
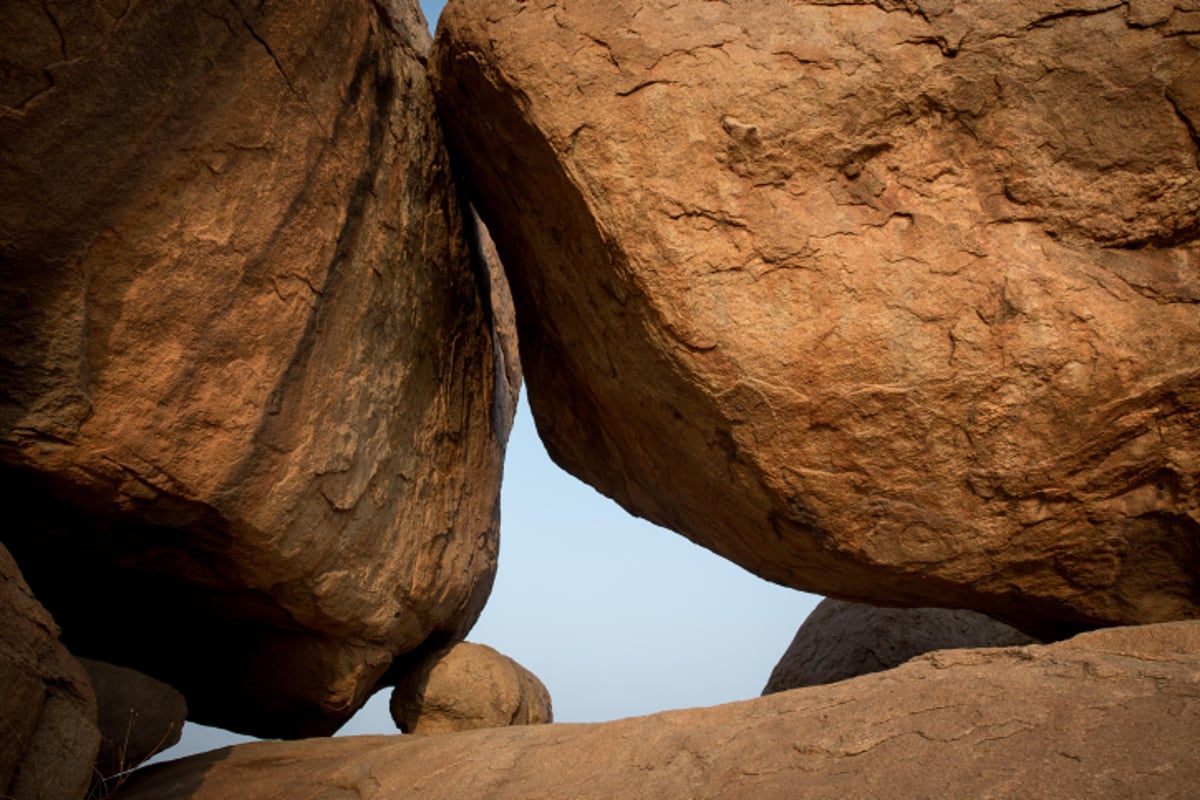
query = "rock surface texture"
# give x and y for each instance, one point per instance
(248, 387)
(891, 301)
(1114, 713)
(48, 732)
(842, 640)
(138, 716)
(468, 686)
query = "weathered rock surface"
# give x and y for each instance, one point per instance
(248, 385)
(891, 301)
(841, 640)
(48, 732)
(1114, 713)
(468, 686)
(138, 716)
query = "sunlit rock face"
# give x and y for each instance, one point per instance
(251, 427)
(891, 301)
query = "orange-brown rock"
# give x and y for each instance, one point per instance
(249, 422)
(1111, 714)
(892, 301)
(467, 686)
(841, 640)
(48, 731)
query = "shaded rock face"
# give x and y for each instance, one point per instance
(138, 716)
(1109, 714)
(887, 301)
(468, 686)
(248, 428)
(842, 640)
(48, 731)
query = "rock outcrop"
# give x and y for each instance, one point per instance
(48, 732)
(138, 716)
(250, 420)
(841, 640)
(891, 301)
(1114, 713)
(468, 686)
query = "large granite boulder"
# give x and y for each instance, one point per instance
(139, 717)
(891, 301)
(1111, 714)
(251, 425)
(467, 686)
(48, 731)
(841, 640)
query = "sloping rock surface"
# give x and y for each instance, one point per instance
(138, 716)
(468, 686)
(891, 301)
(48, 731)
(841, 640)
(1114, 713)
(250, 424)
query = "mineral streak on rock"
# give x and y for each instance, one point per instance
(892, 301)
(249, 432)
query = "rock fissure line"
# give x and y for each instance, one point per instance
(278, 66)
(1072, 13)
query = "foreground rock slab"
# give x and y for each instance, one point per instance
(1114, 714)
(251, 427)
(48, 731)
(841, 640)
(891, 301)
(468, 686)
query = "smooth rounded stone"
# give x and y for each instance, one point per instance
(467, 686)
(890, 301)
(251, 413)
(139, 717)
(841, 640)
(48, 731)
(1109, 714)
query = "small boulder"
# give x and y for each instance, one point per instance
(47, 709)
(841, 640)
(467, 686)
(138, 716)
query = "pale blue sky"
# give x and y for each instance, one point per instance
(432, 8)
(618, 617)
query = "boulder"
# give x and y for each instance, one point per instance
(138, 716)
(841, 640)
(1110, 714)
(47, 709)
(889, 301)
(467, 686)
(251, 424)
